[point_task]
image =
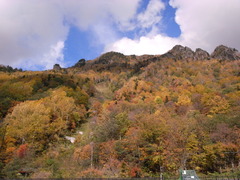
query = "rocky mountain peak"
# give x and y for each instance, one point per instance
(180, 52)
(57, 67)
(225, 53)
(201, 54)
(116, 61)
(80, 63)
(221, 52)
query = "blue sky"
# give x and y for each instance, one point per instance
(35, 35)
(80, 44)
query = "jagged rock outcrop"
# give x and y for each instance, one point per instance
(201, 54)
(179, 52)
(57, 67)
(118, 62)
(225, 53)
(80, 63)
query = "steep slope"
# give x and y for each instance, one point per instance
(123, 116)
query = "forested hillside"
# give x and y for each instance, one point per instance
(123, 116)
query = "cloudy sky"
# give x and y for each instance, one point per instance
(36, 34)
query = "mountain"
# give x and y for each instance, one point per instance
(179, 52)
(120, 62)
(8, 69)
(121, 116)
(57, 67)
(225, 53)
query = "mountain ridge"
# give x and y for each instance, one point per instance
(116, 60)
(113, 59)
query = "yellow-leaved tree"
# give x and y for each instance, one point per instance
(41, 122)
(215, 104)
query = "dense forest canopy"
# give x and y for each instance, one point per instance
(123, 116)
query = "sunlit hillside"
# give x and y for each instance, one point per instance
(122, 116)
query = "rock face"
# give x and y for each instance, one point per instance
(80, 63)
(57, 67)
(225, 53)
(179, 52)
(221, 52)
(201, 54)
(118, 62)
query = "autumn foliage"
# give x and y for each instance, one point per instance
(22, 150)
(126, 119)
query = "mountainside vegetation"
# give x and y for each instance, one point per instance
(122, 116)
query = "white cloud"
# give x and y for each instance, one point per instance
(31, 30)
(28, 30)
(54, 56)
(208, 23)
(203, 24)
(45, 61)
(33, 33)
(152, 15)
(86, 13)
(158, 44)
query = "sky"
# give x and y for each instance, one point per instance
(36, 34)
